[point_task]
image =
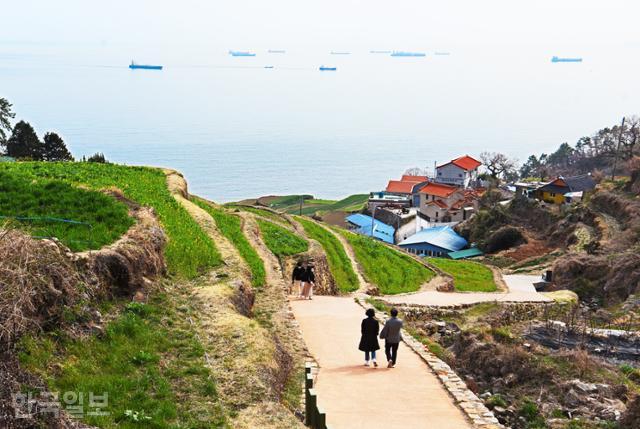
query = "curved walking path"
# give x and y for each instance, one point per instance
(520, 287)
(353, 396)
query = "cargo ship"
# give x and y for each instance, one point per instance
(340, 53)
(277, 51)
(442, 53)
(324, 68)
(407, 54)
(133, 66)
(379, 52)
(241, 54)
(565, 60)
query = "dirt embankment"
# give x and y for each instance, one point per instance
(243, 330)
(41, 281)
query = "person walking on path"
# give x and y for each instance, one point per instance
(308, 279)
(392, 337)
(296, 277)
(369, 337)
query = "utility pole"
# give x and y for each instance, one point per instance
(373, 219)
(615, 156)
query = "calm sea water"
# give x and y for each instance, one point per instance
(238, 130)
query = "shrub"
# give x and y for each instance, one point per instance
(504, 238)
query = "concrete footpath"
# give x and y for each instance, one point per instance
(521, 289)
(354, 396)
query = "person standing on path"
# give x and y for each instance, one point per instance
(308, 279)
(392, 337)
(296, 277)
(369, 337)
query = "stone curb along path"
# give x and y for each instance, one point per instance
(465, 399)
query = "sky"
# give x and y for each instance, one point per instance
(343, 23)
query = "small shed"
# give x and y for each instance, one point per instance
(436, 241)
(466, 253)
(363, 224)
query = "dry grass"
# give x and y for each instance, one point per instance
(37, 282)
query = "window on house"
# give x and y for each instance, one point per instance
(459, 175)
(553, 194)
(436, 215)
(439, 173)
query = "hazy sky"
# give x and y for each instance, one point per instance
(283, 23)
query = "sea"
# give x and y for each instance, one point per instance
(274, 124)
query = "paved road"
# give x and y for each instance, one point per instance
(521, 289)
(356, 397)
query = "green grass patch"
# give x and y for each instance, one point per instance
(281, 241)
(230, 226)
(339, 262)
(310, 206)
(390, 270)
(467, 276)
(149, 362)
(261, 212)
(189, 253)
(38, 200)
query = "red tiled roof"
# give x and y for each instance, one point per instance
(438, 190)
(397, 186)
(439, 203)
(465, 162)
(415, 179)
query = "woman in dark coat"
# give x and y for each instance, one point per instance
(369, 339)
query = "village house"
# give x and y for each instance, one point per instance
(461, 171)
(445, 203)
(436, 241)
(565, 190)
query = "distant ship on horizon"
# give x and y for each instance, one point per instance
(555, 59)
(442, 53)
(407, 54)
(133, 66)
(379, 52)
(241, 54)
(325, 68)
(340, 53)
(277, 51)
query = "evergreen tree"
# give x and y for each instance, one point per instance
(55, 149)
(24, 143)
(5, 121)
(97, 157)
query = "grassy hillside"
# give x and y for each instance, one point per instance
(260, 212)
(190, 251)
(105, 219)
(281, 241)
(148, 361)
(467, 276)
(390, 270)
(230, 226)
(339, 262)
(291, 204)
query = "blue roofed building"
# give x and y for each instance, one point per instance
(362, 225)
(436, 241)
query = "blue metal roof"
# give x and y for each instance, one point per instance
(441, 236)
(381, 231)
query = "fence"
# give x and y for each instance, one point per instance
(315, 417)
(43, 231)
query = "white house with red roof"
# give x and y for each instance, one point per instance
(446, 203)
(462, 171)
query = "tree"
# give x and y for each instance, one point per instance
(5, 120)
(498, 164)
(24, 143)
(415, 171)
(55, 149)
(97, 157)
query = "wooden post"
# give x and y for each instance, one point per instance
(321, 419)
(313, 406)
(308, 410)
